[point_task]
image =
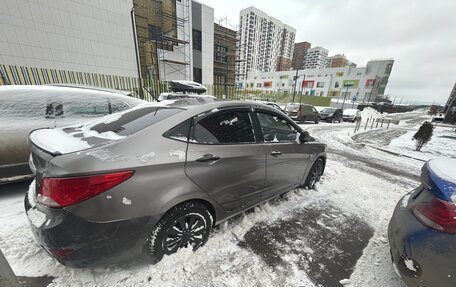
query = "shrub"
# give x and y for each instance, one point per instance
(423, 135)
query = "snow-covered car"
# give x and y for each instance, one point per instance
(422, 230)
(438, 118)
(155, 178)
(352, 115)
(25, 108)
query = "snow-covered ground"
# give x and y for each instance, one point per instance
(361, 181)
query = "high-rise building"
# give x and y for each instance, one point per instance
(316, 58)
(265, 43)
(300, 50)
(338, 60)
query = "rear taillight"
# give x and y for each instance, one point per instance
(437, 214)
(60, 192)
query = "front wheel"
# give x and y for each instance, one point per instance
(187, 224)
(314, 174)
(317, 120)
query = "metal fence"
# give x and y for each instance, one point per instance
(374, 123)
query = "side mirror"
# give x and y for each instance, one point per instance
(305, 137)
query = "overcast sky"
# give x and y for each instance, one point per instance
(419, 35)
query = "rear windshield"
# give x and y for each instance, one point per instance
(292, 107)
(132, 121)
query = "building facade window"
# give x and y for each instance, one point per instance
(155, 33)
(320, 84)
(339, 74)
(197, 41)
(336, 85)
(198, 75)
(220, 79)
(220, 53)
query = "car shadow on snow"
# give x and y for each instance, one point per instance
(322, 241)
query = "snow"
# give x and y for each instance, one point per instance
(439, 145)
(57, 141)
(445, 168)
(345, 282)
(179, 153)
(126, 201)
(144, 158)
(370, 112)
(106, 155)
(229, 122)
(410, 266)
(36, 217)
(405, 200)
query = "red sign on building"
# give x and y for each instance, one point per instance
(370, 83)
(308, 84)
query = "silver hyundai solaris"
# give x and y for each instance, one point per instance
(157, 178)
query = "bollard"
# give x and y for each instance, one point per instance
(388, 124)
(355, 127)
(372, 125)
(382, 123)
(367, 122)
(378, 120)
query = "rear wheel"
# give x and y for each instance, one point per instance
(187, 224)
(314, 174)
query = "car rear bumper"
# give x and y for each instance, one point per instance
(76, 242)
(421, 256)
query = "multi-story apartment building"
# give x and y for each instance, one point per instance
(265, 43)
(338, 60)
(316, 58)
(93, 43)
(361, 84)
(224, 55)
(300, 50)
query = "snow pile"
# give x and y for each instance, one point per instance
(442, 144)
(445, 168)
(370, 113)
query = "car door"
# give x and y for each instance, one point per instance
(287, 158)
(225, 159)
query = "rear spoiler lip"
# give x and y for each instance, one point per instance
(40, 148)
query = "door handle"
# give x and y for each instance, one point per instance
(275, 153)
(207, 157)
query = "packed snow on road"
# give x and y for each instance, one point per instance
(332, 236)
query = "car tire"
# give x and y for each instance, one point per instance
(189, 223)
(314, 174)
(317, 120)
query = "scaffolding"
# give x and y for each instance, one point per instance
(173, 45)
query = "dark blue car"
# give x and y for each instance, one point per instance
(422, 231)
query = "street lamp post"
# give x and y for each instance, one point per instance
(345, 96)
(295, 83)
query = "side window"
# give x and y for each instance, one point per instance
(179, 132)
(118, 105)
(224, 128)
(314, 110)
(276, 128)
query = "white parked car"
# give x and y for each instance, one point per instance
(352, 115)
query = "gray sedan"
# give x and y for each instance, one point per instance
(157, 178)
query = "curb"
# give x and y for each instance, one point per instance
(395, 153)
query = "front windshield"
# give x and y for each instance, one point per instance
(328, 110)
